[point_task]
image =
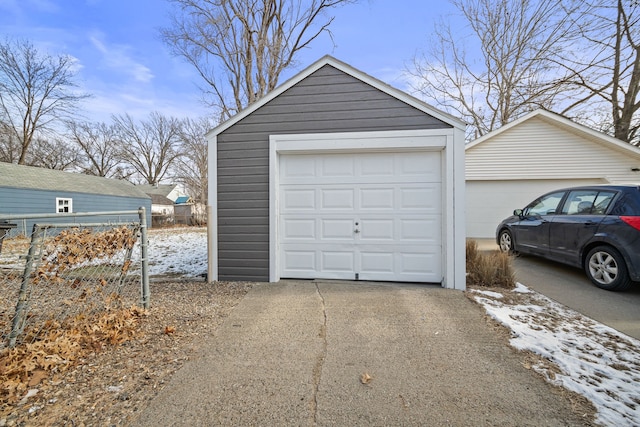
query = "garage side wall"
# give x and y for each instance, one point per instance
(328, 100)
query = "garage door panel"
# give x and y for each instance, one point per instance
(421, 230)
(336, 229)
(337, 198)
(296, 260)
(377, 198)
(338, 262)
(377, 262)
(297, 229)
(335, 165)
(377, 229)
(427, 197)
(304, 199)
(375, 216)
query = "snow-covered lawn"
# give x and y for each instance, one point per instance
(594, 360)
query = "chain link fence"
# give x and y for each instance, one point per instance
(55, 277)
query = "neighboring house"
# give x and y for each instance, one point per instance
(170, 191)
(336, 175)
(162, 209)
(540, 152)
(31, 190)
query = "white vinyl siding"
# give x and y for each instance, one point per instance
(536, 149)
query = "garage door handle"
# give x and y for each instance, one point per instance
(356, 231)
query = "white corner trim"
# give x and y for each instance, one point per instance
(212, 210)
(450, 140)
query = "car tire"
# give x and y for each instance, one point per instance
(505, 241)
(606, 269)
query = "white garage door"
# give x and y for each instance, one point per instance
(366, 216)
(489, 202)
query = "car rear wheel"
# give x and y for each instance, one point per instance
(506, 241)
(605, 267)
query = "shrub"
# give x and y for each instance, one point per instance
(489, 269)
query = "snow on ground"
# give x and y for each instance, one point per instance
(594, 360)
(177, 251)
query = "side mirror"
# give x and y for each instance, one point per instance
(518, 212)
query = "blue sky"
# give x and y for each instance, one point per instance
(124, 65)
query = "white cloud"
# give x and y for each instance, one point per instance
(118, 58)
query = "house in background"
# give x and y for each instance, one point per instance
(336, 175)
(163, 197)
(31, 190)
(508, 168)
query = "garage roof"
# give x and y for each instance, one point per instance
(372, 81)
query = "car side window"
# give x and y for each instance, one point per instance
(602, 202)
(580, 202)
(545, 205)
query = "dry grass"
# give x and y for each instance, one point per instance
(489, 269)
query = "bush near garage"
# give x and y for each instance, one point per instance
(492, 269)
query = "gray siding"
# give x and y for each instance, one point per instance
(326, 101)
(15, 201)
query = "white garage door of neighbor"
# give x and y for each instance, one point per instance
(361, 216)
(489, 202)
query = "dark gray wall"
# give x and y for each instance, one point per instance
(326, 101)
(14, 201)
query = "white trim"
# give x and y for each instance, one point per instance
(435, 139)
(345, 68)
(212, 210)
(69, 204)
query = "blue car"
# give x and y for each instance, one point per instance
(596, 228)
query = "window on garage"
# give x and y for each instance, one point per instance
(64, 205)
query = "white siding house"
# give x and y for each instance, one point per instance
(542, 151)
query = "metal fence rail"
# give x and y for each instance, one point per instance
(60, 272)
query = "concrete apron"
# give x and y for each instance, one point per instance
(294, 353)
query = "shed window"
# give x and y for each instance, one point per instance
(64, 205)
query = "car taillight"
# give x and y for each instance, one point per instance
(633, 221)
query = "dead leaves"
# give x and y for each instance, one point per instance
(61, 346)
(365, 378)
(168, 330)
(76, 246)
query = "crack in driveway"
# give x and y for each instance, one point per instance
(317, 369)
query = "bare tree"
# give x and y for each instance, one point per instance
(36, 91)
(9, 144)
(150, 147)
(240, 47)
(191, 167)
(606, 66)
(100, 147)
(54, 153)
(516, 43)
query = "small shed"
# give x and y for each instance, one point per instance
(540, 152)
(31, 190)
(336, 175)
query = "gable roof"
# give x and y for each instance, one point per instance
(29, 177)
(347, 69)
(159, 199)
(563, 123)
(160, 189)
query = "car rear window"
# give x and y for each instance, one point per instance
(627, 204)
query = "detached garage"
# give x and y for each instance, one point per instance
(336, 175)
(507, 168)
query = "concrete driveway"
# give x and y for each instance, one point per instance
(569, 286)
(309, 353)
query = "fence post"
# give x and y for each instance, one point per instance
(146, 294)
(20, 317)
